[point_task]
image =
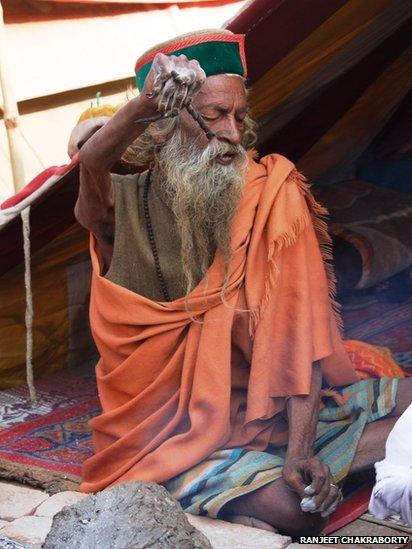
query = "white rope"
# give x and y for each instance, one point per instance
(25, 216)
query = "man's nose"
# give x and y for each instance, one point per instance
(231, 132)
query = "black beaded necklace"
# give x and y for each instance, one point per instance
(151, 237)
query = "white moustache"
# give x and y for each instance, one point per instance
(214, 150)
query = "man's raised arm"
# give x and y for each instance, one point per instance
(94, 206)
(162, 93)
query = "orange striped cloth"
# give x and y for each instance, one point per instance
(372, 360)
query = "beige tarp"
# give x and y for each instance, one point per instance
(49, 57)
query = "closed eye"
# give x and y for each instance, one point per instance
(209, 118)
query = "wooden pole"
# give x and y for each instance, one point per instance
(11, 113)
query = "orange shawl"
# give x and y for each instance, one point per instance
(165, 380)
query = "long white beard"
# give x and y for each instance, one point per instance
(204, 196)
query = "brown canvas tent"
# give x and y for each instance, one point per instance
(326, 83)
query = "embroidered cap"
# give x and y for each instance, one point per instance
(218, 51)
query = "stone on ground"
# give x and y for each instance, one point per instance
(31, 530)
(225, 535)
(17, 501)
(55, 503)
(6, 543)
(133, 515)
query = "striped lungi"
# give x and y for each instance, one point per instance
(227, 474)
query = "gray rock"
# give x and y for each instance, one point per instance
(6, 543)
(133, 515)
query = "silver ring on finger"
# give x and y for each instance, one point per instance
(339, 492)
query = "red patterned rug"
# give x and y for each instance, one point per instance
(46, 444)
(59, 441)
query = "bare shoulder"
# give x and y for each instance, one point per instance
(94, 208)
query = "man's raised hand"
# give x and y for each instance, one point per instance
(172, 83)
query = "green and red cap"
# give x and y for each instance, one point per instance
(218, 52)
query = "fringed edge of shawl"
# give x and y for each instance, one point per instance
(316, 213)
(319, 214)
(285, 240)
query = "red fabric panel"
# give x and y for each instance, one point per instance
(36, 183)
(51, 214)
(21, 11)
(350, 509)
(273, 28)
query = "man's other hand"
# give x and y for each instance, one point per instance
(311, 479)
(172, 83)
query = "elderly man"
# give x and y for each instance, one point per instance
(211, 307)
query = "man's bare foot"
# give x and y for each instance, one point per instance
(277, 505)
(250, 521)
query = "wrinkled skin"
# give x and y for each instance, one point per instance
(172, 83)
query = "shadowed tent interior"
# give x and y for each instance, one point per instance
(331, 90)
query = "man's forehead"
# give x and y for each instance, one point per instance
(222, 90)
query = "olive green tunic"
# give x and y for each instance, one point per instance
(132, 264)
